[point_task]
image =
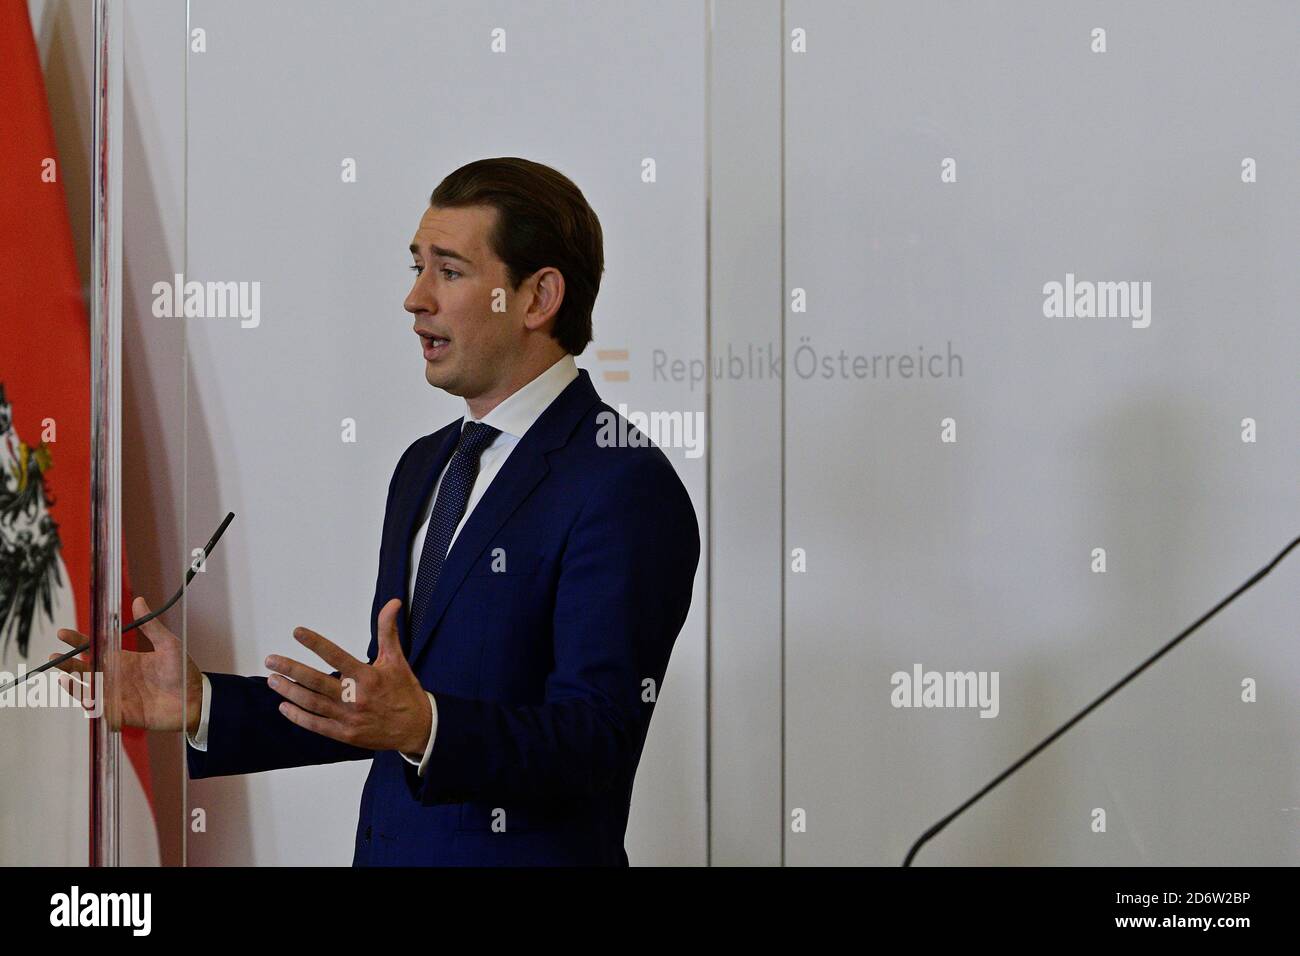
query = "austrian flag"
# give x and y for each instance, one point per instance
(45, 519)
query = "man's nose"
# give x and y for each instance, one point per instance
(419, 299)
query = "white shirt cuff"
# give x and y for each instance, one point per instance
(200, 739)
(423, 762)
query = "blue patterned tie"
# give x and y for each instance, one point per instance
(453, 496)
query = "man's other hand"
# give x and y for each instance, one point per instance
(379, 706)
(148, 692)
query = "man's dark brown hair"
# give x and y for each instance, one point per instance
(542, 220)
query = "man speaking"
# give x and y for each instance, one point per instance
(532, 577)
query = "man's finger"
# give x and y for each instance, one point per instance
(79, 690)
(307, 676)
(327, 650)
(72, 638)
(73, 665)
(152, 629)
(67, 683)
(317, 725)
(390, 643)
(308, 700)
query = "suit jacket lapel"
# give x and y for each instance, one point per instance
(426, 465)
(523, 470)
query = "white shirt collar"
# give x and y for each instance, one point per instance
(517, 412)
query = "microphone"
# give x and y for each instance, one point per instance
(189, 576)
(934, 830)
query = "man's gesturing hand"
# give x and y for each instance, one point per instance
(379, 706)
(149, 681)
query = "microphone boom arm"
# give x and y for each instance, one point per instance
(934, 830)
(189, 576)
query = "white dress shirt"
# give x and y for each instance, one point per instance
(512, 417)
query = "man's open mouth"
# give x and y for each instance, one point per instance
(433, 345)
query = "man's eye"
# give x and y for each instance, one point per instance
(450, 272)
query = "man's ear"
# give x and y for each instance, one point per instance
(547, 288)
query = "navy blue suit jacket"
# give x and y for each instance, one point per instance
(545, 674)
